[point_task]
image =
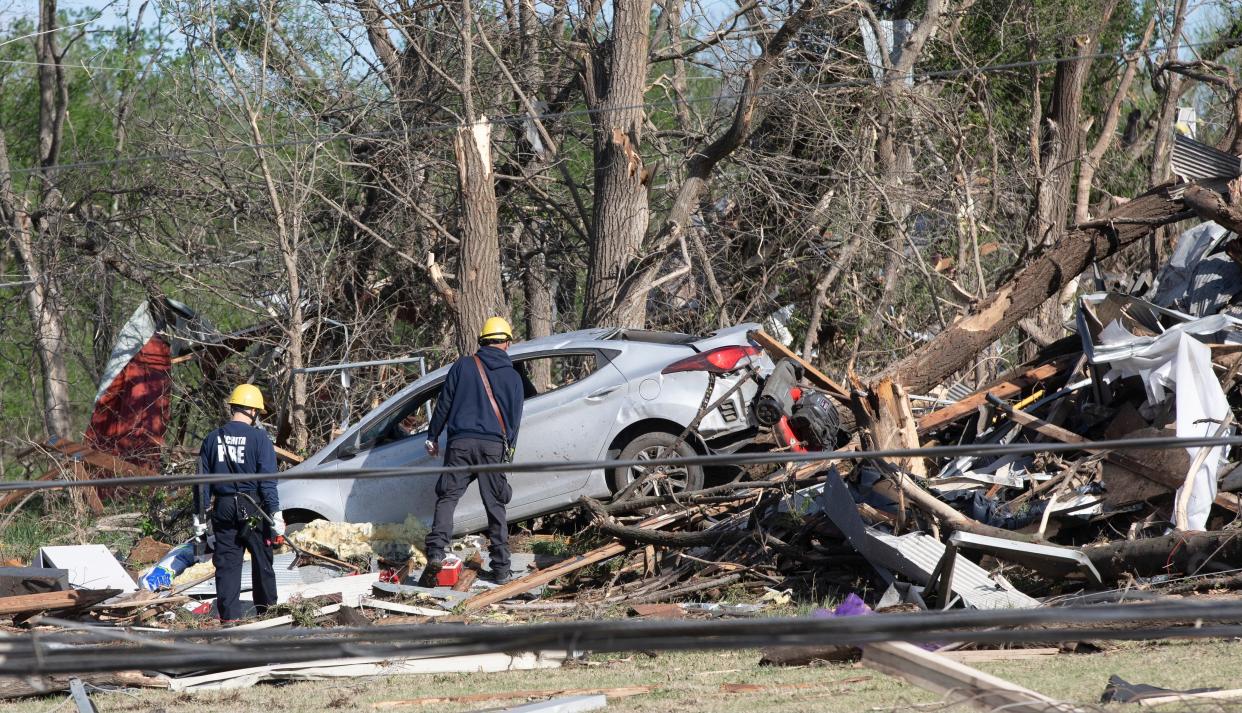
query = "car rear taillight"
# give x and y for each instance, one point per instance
(720, 360)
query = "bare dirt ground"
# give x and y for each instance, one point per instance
(696, 682)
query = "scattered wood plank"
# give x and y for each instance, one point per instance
(895, 426)
(769, 688)
(284, 620)
(543, 576)
(288, 456)
(1191, 697)
(51, 601)
(1001, 390)
(969, 686)
(998, 654)
(22, 686)
(140, 604)
(658, 611)
(779, 351)
(619, 692)
(399, 608)
(469, 573)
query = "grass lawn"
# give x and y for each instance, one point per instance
(693, 682)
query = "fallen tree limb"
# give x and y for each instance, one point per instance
(694, 497)
(955, 347)
(1210, 205)
(1181, 552)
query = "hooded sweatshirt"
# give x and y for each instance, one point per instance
(463, 407)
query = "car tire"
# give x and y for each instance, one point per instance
(652, 445)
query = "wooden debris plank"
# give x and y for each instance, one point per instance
(106, 461)
(22, 686)
(965, 685)
(1143, 469)
(618, 692)
(543, 576)
(779, 351)
(17, 495)
(399, 608)
(1203, 697)
(469, 573)
(90, 495)
(138, 604)
(288, 456)
(998, 654)
(48, 601)
(768, 688)
(284, 620)
(1002, 390)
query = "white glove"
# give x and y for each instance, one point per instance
(200, 527)
(278, 523)
(433, 448)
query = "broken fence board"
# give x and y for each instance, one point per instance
(779, 351)
(399, 608)
(966, 685)
(1002, 390)
(1203, 697)
(619, 692)
(543, 576)
(51, 601)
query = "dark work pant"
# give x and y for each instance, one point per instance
(493, 488)
(234, 536)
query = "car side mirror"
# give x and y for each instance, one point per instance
(350, 448)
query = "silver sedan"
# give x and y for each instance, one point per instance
(620, 393)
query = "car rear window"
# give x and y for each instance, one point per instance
(653, 337)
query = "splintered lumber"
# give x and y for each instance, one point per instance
(50, 601)
(469, 573)
(1143, 468)
(772, 688)
(894, 424)
(963, 684)
(23, 686)
(288, 456)
(983, 655)
(1179, 552)
(779, 351)
(619, 692)
(1005, 389)
(957, 346)
(543, 576)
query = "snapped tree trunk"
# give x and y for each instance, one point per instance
(618, 75)
(956, 346)
(478, 273)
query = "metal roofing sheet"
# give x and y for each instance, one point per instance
(970, 581)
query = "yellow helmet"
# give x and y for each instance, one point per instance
(247, 395)
(496, 329)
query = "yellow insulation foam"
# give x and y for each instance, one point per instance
(392, 541)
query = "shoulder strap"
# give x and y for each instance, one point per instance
(487, 387)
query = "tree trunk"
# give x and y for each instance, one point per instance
(537, 289)
(956, 346)
(1060, 148)
(615, 85)
(478, 272)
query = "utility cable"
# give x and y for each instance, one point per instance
(60, 653)
(981, 450)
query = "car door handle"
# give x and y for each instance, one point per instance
(601, 393)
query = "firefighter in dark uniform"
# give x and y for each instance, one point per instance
(480, 405)
(240, 447)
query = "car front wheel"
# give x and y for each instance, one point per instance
(655, 479)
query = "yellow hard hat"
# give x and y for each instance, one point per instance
(496, 329)
(247, 395)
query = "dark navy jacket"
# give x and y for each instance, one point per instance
(237, 448)
(463, 407)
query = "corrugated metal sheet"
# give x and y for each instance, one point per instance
(285, 578)
(1194, 160)
(970, 581)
